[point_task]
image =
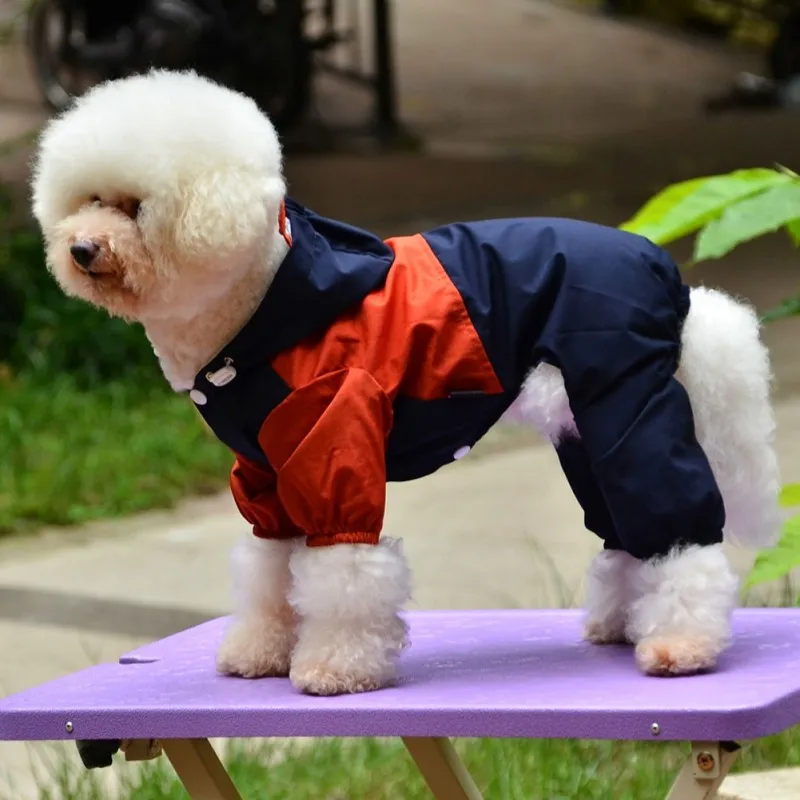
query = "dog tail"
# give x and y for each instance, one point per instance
(725, 368)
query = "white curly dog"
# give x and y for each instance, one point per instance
(171, 188)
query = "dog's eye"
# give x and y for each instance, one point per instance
(95, 199)
(130, 207)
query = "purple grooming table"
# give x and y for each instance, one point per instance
(468, 674)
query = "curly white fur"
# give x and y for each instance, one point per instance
(152, 136)
(680, 617)
(348, 597)
(610, 586)
(262, 634)
(543, 404)
(726, 371)
(327, 616)
(675, 609)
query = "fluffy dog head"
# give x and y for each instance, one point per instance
(154, 193)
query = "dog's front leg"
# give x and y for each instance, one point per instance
(348, 598)
(680, 620)
(263, 631)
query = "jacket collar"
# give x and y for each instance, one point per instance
(329, 267)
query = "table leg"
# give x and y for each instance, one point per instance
(443, 770)
(200, 769)
(141, 749)
(705, 770)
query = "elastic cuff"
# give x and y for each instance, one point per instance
(327, 539)
(260, 533)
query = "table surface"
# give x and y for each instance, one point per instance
(467, 673)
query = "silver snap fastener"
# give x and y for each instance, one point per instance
(69, 727)
(223, 376)
(461, 452)
(198, 397)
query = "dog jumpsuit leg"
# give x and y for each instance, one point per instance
(578, 471)
(637, 427)
(636, 423)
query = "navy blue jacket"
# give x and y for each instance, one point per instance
(372, 360)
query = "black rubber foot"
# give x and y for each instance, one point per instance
(98, 754)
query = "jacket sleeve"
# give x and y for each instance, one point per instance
(255, 491)
(327, 445)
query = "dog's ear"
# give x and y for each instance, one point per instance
(222, 213)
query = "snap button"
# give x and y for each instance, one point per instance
(461, 452)
(223, 376)
(198, 397)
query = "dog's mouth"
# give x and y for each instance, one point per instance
(109, 290)
(100, 272)
(109, 280)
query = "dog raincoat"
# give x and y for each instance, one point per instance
(371, 361)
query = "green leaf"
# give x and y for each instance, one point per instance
(790, 495)
(779, 561)
(749, 219)
(653, 218)
(788, 308)
(793, 229)
(685, 207)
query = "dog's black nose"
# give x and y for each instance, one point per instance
(84, 253)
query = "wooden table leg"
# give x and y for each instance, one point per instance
(703, 773)
(443, 770)
(200, 769)
(141, 749)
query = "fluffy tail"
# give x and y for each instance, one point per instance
(726, 371)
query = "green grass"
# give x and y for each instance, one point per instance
(70, 455)
(88, 426)
(371, 769)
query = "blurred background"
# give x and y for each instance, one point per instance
(114, 517)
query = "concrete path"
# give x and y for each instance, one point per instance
(529, 109)
(779, 784)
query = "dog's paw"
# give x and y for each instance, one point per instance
(334, 658)
(601, 631)
(259, 648)
(326, 679)
(677, 655)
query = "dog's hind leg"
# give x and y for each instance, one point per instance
(636, 426)
(262, 634)
(611, 582)
(543, 405)
(680, 617)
